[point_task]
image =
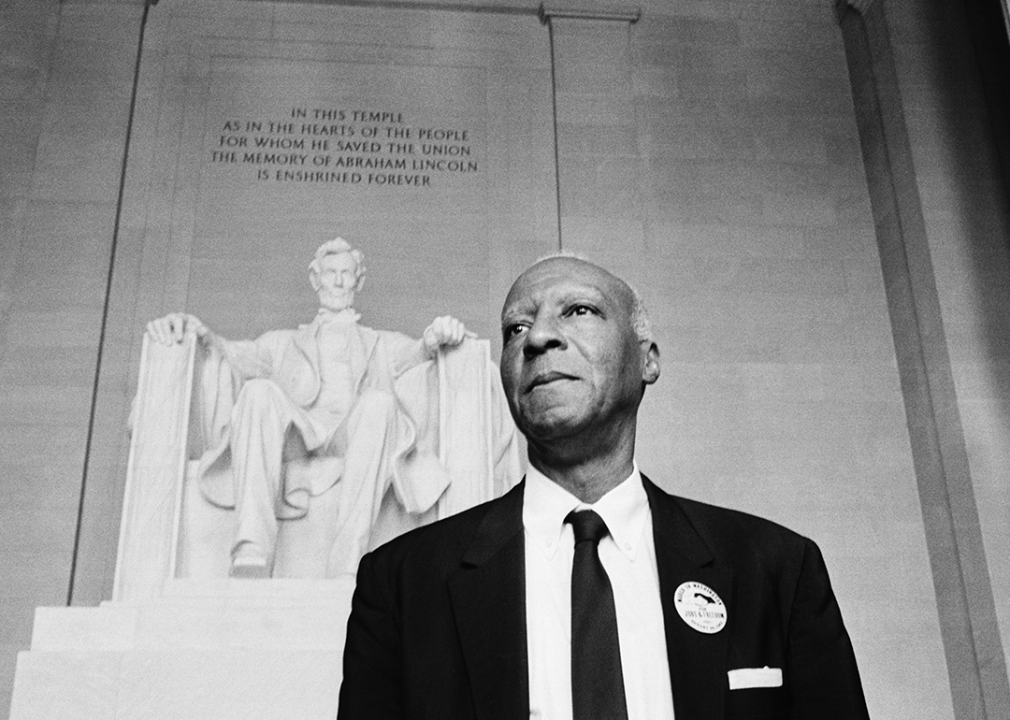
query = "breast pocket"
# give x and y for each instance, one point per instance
(765, 703)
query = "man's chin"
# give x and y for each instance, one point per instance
(549, 427)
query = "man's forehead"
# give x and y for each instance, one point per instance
(563, 276)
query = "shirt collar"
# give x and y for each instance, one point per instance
(625, 509)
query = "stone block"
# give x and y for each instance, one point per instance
(249, 26)
(21, 526)
(335, 592)
(794, 209)
(80, 629)
(236, 10)
(793, 32)
(654, 83)
(100, 23)
(85, 70)
(655, 54)
(235, 624)
(790, 142)
(692, 30)
(578, 140)
(205, 649)
(600, 186)
(57, 233)
(580, 109)
(587, 234)
(593, 78)
(65, 327)
(16, 621)
(598, 46)
(66, 686)
(221, 685)
(80, 152)
(8, 663)
(46, 366)
(36, 444)
(47, 553)
(796, 278)
(668, 137)
(19, 120)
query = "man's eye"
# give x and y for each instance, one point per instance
(514, 330)
(581, 310)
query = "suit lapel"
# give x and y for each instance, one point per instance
(697, 660)
(488, 597)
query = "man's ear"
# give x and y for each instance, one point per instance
(650, 368)
(359, 282)
(314, 280)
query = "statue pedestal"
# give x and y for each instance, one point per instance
(214, 649)
(182, 640)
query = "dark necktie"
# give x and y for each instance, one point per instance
(597, 682)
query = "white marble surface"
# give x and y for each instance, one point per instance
(207, 649)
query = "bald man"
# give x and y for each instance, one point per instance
(587, 592)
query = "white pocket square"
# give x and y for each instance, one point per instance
(755, 678)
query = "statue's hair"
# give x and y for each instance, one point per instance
(640, 322)
(338, 246)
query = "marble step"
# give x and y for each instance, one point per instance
(216, 649)
(206, 615)
(220, 684)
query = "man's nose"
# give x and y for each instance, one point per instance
(544, 334)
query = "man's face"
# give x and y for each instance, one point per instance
(570, 358)
(336, 281)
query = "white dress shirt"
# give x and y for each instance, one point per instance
(628, 555)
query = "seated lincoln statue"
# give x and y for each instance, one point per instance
(326, 389)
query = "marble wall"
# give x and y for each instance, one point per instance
(965, 229)
(65, 82)
(709, 152)
(738, 202)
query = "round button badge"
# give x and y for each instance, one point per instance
(700, 607)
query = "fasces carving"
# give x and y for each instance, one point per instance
(331, 407)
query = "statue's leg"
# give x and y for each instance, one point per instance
(370, 441)
(261, 418)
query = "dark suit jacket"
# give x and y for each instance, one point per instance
(438, 622)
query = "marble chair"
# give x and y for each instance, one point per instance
(169, 530)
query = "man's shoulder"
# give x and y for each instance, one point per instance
(441, 543)
(730, 519)
(728, 531)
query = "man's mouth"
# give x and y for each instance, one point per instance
(546, 379)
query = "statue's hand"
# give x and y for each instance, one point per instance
(445, 330)
(172, 328)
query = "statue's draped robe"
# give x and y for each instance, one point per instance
(377, 361)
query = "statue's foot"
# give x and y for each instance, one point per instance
(249, 562)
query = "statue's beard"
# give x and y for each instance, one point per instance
(336, 300)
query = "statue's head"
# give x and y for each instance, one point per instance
(336, 273)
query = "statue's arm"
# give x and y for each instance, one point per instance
(172, 329)
(444, 330)
(406, 353)
(245, 358)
